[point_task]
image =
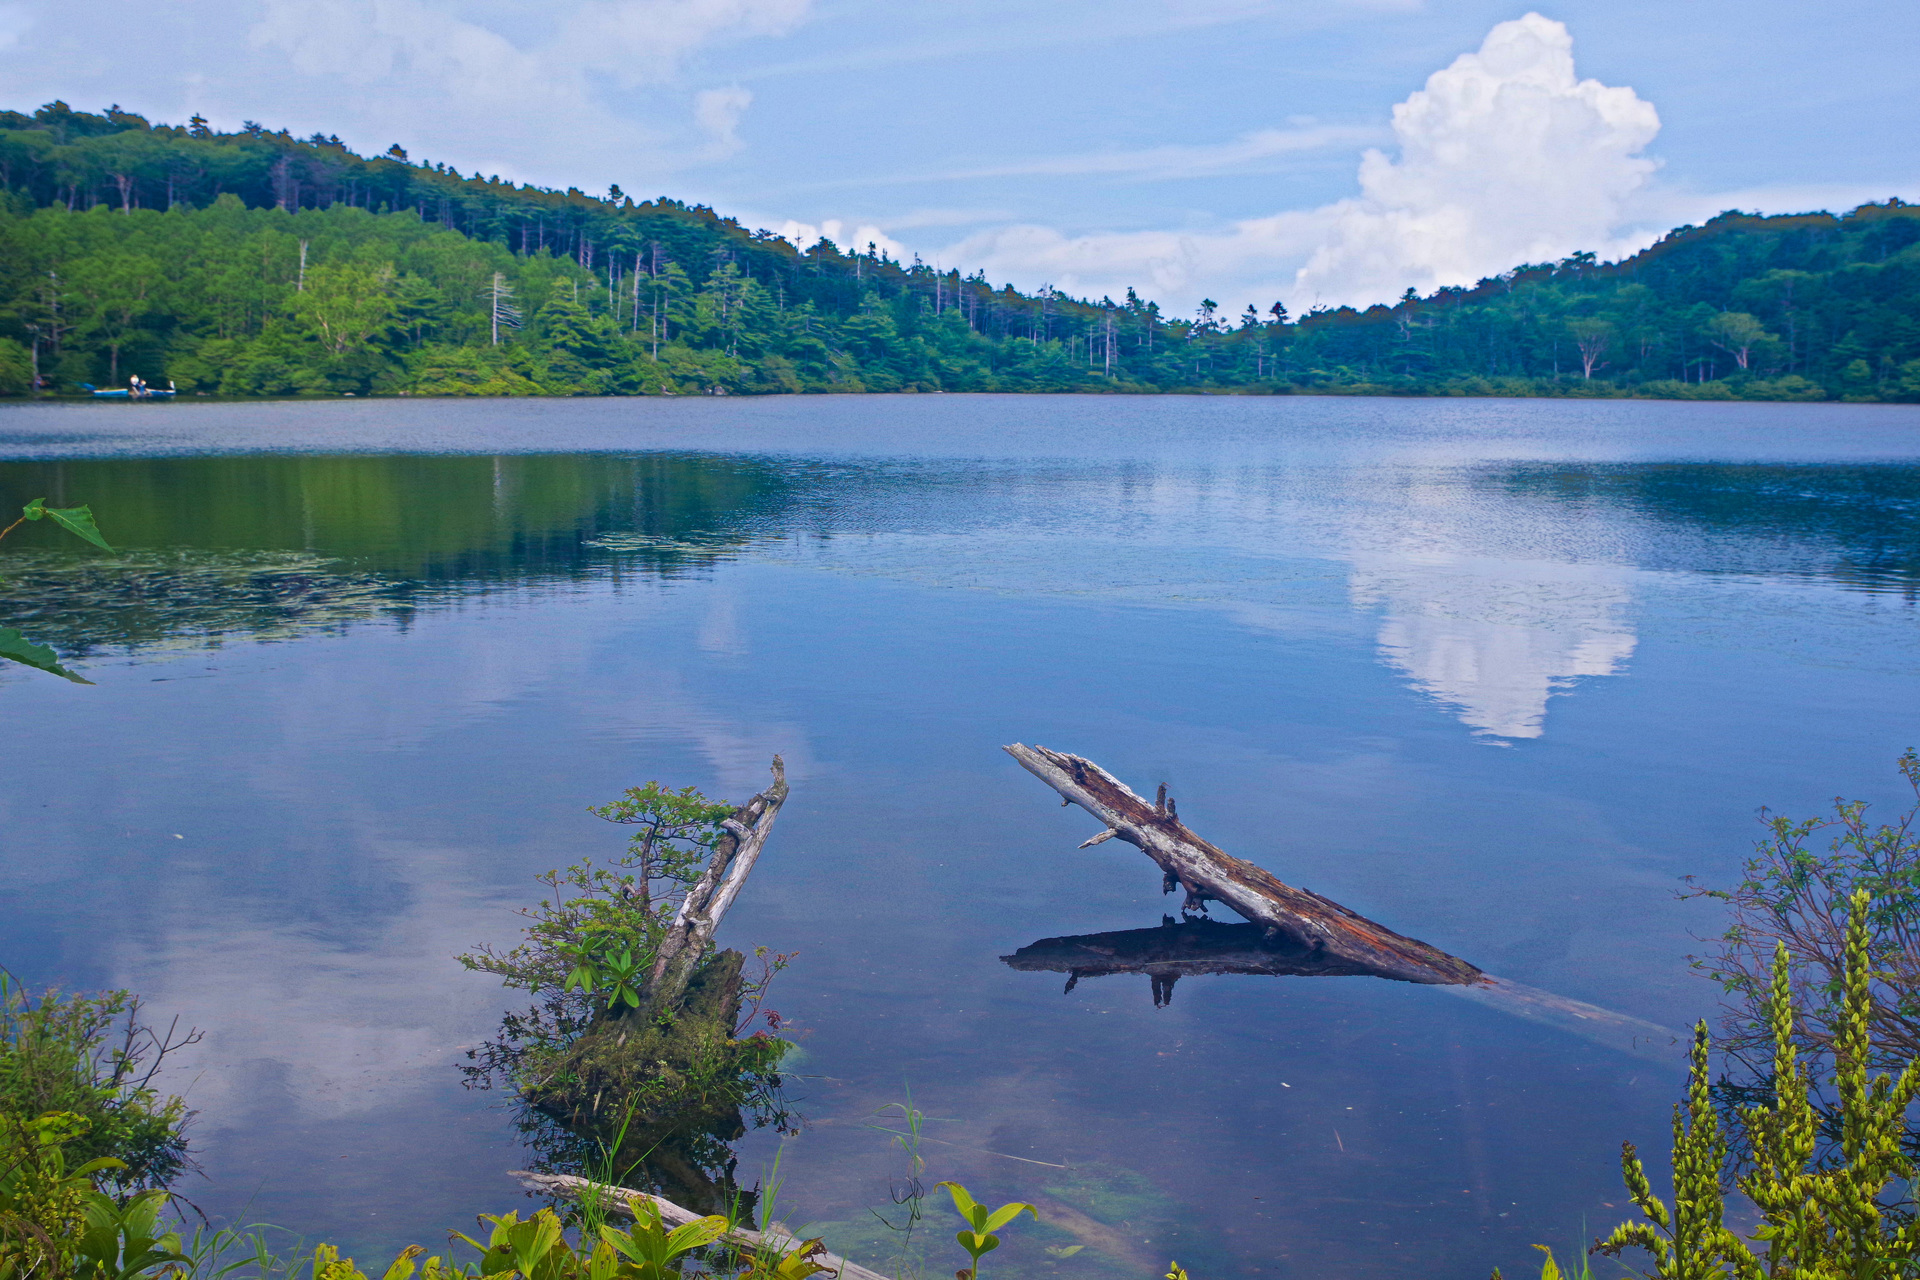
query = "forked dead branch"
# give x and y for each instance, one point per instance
(1297, 932)
(1208, 874)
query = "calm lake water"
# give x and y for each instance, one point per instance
(1494, 673)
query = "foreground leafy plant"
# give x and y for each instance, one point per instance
(537, 1248)
(652, 1248)
(14, 646)
(1798, 896)
(980, 1241)
(1825, 1213)
(122, 1241)
(92, 1057)
(43, 1203)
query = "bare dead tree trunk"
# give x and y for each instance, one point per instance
(690, 936)
(1209, 874)
(1332, 939)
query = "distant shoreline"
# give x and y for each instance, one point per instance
(1719, 392)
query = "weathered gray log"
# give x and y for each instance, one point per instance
(743, 835)
(1208, 874)
(615, 1202)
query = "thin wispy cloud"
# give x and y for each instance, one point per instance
(417, 62)
(1020, 34)
(1245, 154)
(1167, 163)
(718, 112)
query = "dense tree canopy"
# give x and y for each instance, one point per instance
(256, 263)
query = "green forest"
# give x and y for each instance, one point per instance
(256, 263)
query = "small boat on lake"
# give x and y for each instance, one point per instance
(136, 389)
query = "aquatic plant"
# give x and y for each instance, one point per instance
(611, 1073)
(1825, 1210)
(599, 912)
(54, 1225)
(910, 1197)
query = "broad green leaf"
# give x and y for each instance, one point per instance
(977, 1243)
(531, 1241)
(963, 1200)
(403, 1266)
(75, 520)
(1007, 1213)
(79, 522)
(695, 1235)
(622, 1242)
(18, 648)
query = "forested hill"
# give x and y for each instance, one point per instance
(257, 263)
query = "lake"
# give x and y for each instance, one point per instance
(1496, 674)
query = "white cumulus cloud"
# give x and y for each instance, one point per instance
(1504, 157)
(850, 236)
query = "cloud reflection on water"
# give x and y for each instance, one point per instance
(1495, 639)
(1496, 587)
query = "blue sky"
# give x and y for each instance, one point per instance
(1188, 147)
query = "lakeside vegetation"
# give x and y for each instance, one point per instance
(256, 263)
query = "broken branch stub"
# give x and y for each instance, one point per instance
(1209, 874)
(743, 835)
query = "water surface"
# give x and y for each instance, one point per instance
(1494, 673)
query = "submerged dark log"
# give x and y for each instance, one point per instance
(1310, 923)
(1180, 949)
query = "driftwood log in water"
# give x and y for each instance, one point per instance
(614, 1201)
(1308, 921)
(689, 937)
